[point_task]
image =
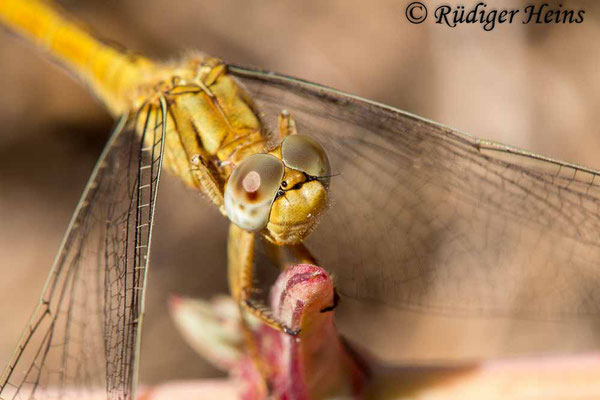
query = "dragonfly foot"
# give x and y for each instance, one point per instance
(291, 332)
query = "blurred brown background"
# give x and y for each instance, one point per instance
(532, 86)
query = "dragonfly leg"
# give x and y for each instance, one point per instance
(287, 125)
(302, 254)
(206, 177)
(240, 253)
(286, 256)
(208, 69)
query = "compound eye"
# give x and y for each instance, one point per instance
(251, 190)
(307, 155)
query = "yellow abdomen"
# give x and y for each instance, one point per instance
(214, 122)
(109, 72)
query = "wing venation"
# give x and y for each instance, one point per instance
(430, 221)
(83, 337)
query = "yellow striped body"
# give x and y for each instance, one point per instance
(215, 125)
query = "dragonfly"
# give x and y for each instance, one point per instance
(418, 218)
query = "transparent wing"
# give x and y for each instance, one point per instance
(428, 221)
(83, 339)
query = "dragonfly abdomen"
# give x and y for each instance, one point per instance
(109, 71)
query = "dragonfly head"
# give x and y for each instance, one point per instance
(281, 193)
